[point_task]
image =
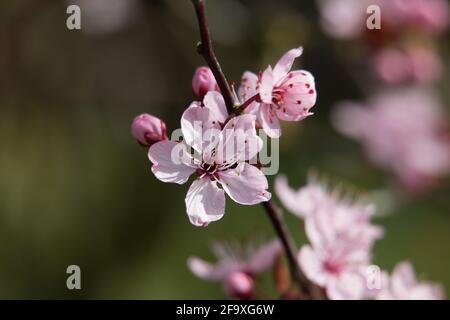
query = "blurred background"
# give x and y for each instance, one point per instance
(75, 188)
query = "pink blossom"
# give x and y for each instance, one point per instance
(403, 285)
(222, 148)
(402, 132)
(237, 267)
(203, 81)
(430, 15)
(148, 129)
(283, 94)
(303, 201)
(346, 19)
(343, 19)
(419, 64)
(340, 234)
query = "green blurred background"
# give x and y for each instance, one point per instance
(75, 188)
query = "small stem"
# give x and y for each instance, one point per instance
(205, 48)
(248, 102)
(307, 289)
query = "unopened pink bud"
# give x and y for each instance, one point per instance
(239, 285)
(203, 81)
(147, 129)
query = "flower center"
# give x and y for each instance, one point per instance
(332, 266)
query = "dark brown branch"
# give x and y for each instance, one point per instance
(307, 289)
(205, 48)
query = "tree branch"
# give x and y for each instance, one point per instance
(307, 289)
(205, 48)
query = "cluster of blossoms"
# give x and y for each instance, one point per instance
(218, 144)
(220, 149)
(411, 140)
(338, 259)
(341, 236)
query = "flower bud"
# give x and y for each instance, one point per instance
(203, 81)
(239, 285)
(147, 129)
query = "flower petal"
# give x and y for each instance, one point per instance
(205, 202)
(249, 88)
(349, 285)
(205, 270)
(170, 162)
(238, 140)
(269, 121)
(266, 86)
(245, 184)
(285, 63)
(288, 196)
(311, 265)
(264, 257)
(217, 109)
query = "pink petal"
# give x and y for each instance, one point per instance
(205, 202)
(403, 279)
(248, 88)
(205, 270)
(245, 184)
(217, 109)
(194, 121)
(266, 85)
(269, 121)
(311, 265)
(301, 202)
(238, 140)
(427, 291)
(349, 285)
(264, 257)
(170, 162)
(350, 119)
(285, 63)
(299, 97)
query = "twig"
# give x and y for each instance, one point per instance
(288, 244)
(205, 48)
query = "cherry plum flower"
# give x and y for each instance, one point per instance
(343, 19)
(340, 234)
(403, 132)
(419, 64)
(430, 15)
(403, 285)
(279, 93)
(222, 148)
(346, 19)
(237, 267)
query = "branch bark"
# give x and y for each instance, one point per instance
(306, 288)
(205, 48)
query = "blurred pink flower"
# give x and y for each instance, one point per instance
(224, 153)
(237, 267)
(402, 132)
(419, 64)
(403, 285)
(283, 94)
(340, 234)
(346, 19)
(430, 15)
(203, 81)
(343, 19)
(148, 129)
